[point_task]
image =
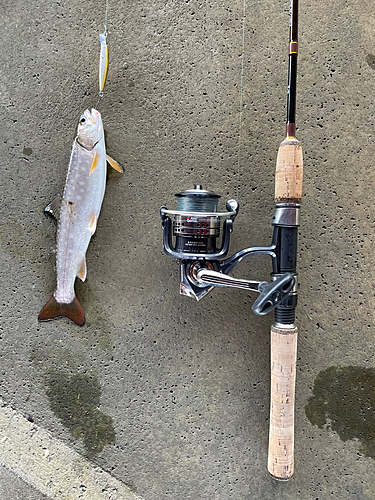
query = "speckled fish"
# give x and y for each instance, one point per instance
(80, 207)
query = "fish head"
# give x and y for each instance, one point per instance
(90, 128)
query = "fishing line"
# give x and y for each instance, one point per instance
(241, 101)
(197, 200)
(106, 16)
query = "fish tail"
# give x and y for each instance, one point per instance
(54, 309)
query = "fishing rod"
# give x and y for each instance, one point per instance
(288, 196)
(190, 234)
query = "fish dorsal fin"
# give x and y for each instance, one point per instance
(114, 164)
(54, 207)
(82, 271)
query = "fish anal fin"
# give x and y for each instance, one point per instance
(82, 271)
(114, 164)
(54, 309)
(54, 207)
(95, 162)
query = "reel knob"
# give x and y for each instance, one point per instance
(272, 294)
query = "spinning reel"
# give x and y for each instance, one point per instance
(195, 228)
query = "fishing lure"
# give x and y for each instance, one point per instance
(103, 61)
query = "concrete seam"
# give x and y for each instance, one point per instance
(51, 466)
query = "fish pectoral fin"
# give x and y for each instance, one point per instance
(95, 162)
(92, 224)
(114, 164)
(54, 207)
(82, 271)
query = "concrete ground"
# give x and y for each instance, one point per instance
(169, 396)
(14, 488)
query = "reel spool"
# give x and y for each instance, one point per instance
(196, 234)
(196, 225)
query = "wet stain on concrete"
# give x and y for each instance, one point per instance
(370, 59)
(344, 401)
(27, 151)
(74, 392)
(74, 399)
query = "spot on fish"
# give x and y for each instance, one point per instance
(344, 401)
(71, 213)
(27, 151)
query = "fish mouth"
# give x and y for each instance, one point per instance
(91, 116)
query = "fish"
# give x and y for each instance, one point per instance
(103, 61)
(77, 212)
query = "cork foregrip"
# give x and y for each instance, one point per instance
(289, 172)
(283, 377)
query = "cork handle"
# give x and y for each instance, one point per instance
(283, 377)
(289, 172)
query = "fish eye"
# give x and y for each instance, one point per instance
(82, 120)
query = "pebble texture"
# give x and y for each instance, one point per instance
(178, 390)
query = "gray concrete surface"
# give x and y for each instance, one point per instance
(176, 393)
(13, 488)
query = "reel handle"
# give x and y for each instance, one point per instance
(272, 294)
(208, 277)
